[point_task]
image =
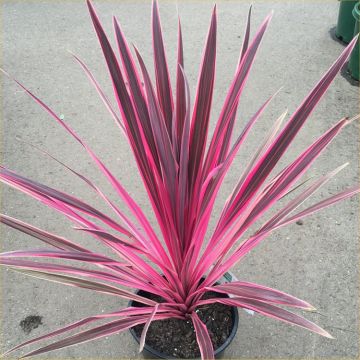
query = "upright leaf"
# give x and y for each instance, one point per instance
(220, 141)
(202, 108)
(180, 90)
(163, 85)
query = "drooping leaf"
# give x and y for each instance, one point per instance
(87, 284)
(113, 327)
(203, 338)
(85, 321)
(261, 293)
(146, 327)
(59, 254)
(273, 312)
(47, 237)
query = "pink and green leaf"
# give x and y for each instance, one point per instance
(203, 338)
(272, 311)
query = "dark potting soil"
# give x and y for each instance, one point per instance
(177, 338)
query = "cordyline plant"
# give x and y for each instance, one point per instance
(182, 177)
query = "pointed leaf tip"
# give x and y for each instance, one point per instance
(90, 5)
(327, 335)
(4, 72)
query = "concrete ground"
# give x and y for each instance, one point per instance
(317, 261)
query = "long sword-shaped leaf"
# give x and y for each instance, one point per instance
(271, 225)
(167, 157)
(101, 94)
(19, 181)
(113, 327)
(220, 142)
(82, 322)
(253, 241)
(289, 176)
(183, 164)
(228, 127)
(161, 134)
(261, 293)
(87, 284)
(140, 244)
(278, 187)
(180, 91)
(209, 200)
(203, 338)
(136, 261)
(71, 270)
(136, 90)
(245, 43)
(268, 161)
(146, 327)
(299, 199)
(46, 237)
(320, 205)
(273, 312)
(114, 182)
(52, 239)
(68, 255)
(134, 132)
(53, 203)
(124, 277)
(163, 85)
(134, 233)
(109, 237)
(212, 190)
(261, 149)
(202, 106)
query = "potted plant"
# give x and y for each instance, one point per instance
(353, 65)
(346, 22)
(176, 276)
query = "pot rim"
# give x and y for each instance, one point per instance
(219, 350)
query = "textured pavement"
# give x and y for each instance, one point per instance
(316, 261)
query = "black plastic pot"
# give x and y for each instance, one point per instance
(151, 353)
